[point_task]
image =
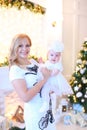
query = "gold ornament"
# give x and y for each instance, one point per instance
(54, 23)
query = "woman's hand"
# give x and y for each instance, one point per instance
(46, 72)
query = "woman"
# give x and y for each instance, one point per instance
(24, 78)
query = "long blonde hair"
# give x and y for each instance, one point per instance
(14, 46)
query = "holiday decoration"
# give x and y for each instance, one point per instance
(22, 4)
(6, 61)
(67, 120)
(78, 80)
(77, 108)
(62, 111)
(18, 116)
(64, 105)
(76, 118)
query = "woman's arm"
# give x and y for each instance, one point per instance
(25, 93)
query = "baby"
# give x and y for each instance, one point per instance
(56, 84)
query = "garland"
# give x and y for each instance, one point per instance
(6, 61)
(19, 4)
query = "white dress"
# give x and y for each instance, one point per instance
(56, 83)
(32, 114)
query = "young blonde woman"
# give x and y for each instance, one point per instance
(24, 78)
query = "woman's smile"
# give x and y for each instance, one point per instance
(23, 49)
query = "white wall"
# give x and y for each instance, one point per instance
(74, 32)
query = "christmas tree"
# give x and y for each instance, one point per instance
(78, 79)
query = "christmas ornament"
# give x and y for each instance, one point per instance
(78, 119)
(77, 107)
(67, 120)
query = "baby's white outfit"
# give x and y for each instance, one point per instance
(56, 83)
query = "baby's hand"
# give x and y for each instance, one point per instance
(40, 60)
